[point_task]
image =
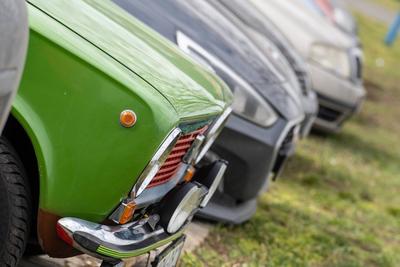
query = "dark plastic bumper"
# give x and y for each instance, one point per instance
(225, 209)
(253, 153)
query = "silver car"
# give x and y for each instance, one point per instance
(13, 45)
(334, 59)
(335, 11)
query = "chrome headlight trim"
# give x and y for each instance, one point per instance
(155, 163)
(213, 133)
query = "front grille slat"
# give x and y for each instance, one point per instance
(172, 162)
(174, 159)
(329, 114)
(358, 68)
(183, 147)
(186, 140)
(178, 153)
(162, 177)
(167, 169)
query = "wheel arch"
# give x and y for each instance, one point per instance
(20, 133)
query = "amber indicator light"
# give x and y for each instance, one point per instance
(127, 214)
(189, 174)
(127, 118)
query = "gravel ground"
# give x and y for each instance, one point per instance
(196, 233)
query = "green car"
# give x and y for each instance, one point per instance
(100, 154)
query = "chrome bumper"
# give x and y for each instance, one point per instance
(114, 242)
(165, 224)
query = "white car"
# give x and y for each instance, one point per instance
(335, 11)
(334, 59)
(13, 45)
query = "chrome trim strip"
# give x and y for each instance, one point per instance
(108, 233)
(214, 186)
(156, 162)
(191, 155)
(212, 134)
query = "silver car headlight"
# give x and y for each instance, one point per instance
(250, 105)
(180, 205)
(331, 58)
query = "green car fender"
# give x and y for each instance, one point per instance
(69, 101)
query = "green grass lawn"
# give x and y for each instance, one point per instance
(338, 202)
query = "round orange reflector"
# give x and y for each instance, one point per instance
(127, 118)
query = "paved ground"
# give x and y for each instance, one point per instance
(197, 232)
(371, 9)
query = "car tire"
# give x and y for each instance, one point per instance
(14, 206)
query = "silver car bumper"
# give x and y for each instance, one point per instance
(336, 88)
(338, 98)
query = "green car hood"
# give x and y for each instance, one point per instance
(192, 90)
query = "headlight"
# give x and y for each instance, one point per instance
(250, 105)
(331, 58)
(180, 205)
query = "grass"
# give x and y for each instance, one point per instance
(338, 202)
(389, 4)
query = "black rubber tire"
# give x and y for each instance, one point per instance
(15, 210)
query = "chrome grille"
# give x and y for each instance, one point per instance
(174, 159)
